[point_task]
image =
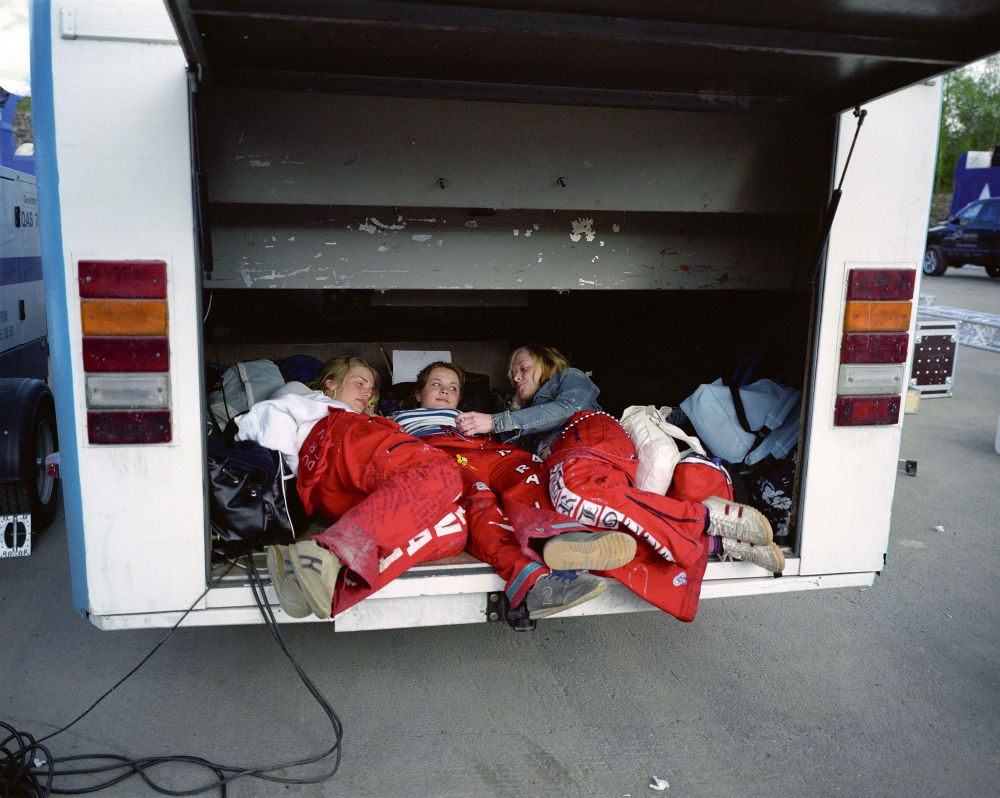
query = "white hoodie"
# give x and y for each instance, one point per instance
(283, 424)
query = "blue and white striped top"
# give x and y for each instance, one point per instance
(427, 421)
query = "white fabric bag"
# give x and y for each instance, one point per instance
(656, 444)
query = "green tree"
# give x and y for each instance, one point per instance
(970, 116)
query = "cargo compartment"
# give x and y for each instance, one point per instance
(655, 248)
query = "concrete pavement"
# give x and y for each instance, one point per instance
(889, 691)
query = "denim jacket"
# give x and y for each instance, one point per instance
(536, 428)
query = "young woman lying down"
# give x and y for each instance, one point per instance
(592, 467)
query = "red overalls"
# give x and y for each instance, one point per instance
(516, 476)
(592, 469)
(397, 500)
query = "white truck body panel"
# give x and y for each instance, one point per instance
(881, 222)
(125, 192)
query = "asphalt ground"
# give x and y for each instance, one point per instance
(886, 691)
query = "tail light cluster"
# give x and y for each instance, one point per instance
(874, 347)
(126, 356)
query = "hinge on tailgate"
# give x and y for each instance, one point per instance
(498, 609)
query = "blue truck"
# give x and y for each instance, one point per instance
(970, 235)
(28, 485)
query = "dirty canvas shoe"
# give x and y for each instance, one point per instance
(768, 556)
(728, 519)
(588, 551)
(316, 569)
(561, 590)
(286, 586)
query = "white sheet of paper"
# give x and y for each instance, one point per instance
(407, 363)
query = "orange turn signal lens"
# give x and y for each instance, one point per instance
(123, 317)
(877, 317)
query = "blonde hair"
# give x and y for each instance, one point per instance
(551, 360)
(337, 370)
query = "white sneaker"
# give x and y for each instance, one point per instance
(290, 594)
(737, 521)
(768, 556)
(316, 569)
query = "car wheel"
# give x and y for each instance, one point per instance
(934, 261)
(993, 271)
(28, 418)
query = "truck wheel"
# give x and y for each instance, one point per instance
(28, 424)
(993, 271)
(934, 261)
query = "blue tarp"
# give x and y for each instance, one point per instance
(973, 184)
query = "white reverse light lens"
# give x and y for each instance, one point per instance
(128, 390)
(870, 380)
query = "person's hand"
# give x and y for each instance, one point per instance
(474, 424)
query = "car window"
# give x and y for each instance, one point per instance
(971, 212)
(989, 214)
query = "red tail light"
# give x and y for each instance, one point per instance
(123, 279)
(126, 354)
(129, 426)
(874, 347)
(854, 411)
(868, 284)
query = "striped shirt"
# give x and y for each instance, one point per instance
(427, 421)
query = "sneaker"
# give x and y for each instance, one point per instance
(290, 595)
(768, 557)
(588, 551)
(737, 521)
(561, 590)
(316, 569)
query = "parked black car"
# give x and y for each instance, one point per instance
(969, 236)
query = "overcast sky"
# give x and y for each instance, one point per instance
(14, 64)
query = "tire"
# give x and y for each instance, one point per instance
(993, 271)
(935, 262)
(28, 420)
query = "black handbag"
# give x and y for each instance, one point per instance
(253, 500)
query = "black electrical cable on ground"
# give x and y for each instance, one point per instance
(19, 751)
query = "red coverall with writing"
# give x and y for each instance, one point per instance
(516, 476)
(592, 469)
(397, 500)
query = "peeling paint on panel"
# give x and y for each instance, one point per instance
(472, 223)
(318, 255)
(368, 228)
(516, 232)
(527, 233)
(602, 243)
(377, 223)
(297, 163)
(260, 163)
(383, 248)
(418, 220)
(292, 238)
(615, 228)
(330, 243)
(421, 237)
(440, 242)
(582, 227)
(323, 277)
